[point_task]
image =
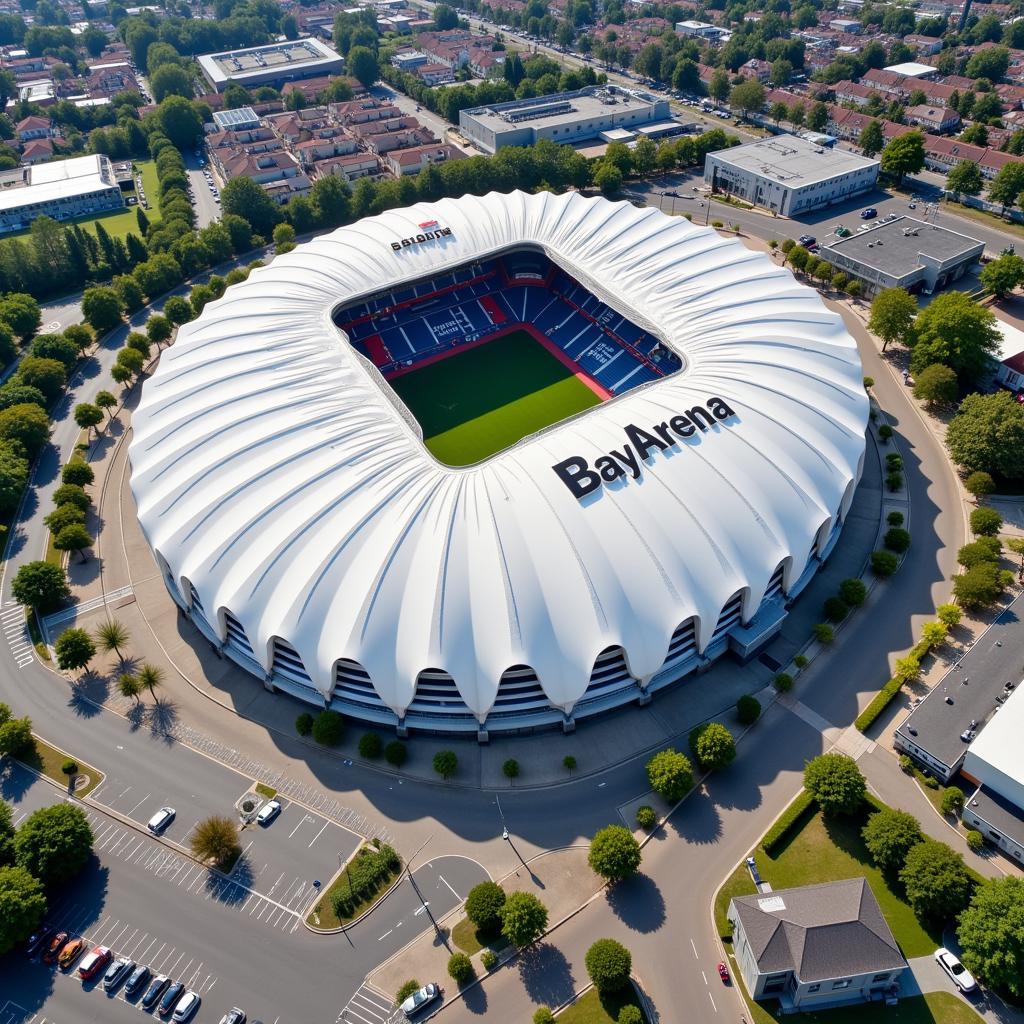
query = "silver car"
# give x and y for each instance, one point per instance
(961, 977)
(160, 820)
(420, 999)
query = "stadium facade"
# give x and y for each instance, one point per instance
(301, 519)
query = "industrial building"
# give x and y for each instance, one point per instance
(789, 175)
(564, 117)
(62, 189)
(273, 64)
(904, 253)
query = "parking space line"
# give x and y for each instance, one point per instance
(317, 836)
(139, 804)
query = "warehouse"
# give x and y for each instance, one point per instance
(789, 175)
(273, 64)
(564, 117)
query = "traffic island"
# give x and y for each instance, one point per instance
(65, 771)
(363, 881)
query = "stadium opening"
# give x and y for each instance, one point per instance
(499, 463)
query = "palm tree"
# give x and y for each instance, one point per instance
(151, 677)
(112, 636)
(129, 685)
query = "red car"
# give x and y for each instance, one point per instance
(54, 947)
(723, 972)
(93, 962)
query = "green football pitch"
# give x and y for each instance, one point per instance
(481, 401)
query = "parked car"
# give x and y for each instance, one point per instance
(94, 961)
(117, 972)
(962, 978)
(268, 812)
(170, 999)
(807, 241)
(56, 944)
(869, 213)
(137, 981)
(186, 1008)
(161, 820)
(723, 972)
(233, 1016)
(155, 991)
(421, 998)
(70, 953)
(37, 941)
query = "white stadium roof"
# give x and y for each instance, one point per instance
(274, 476)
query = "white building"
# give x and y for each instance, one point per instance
(913, 69)
(702, 30)
(61, 189)
(273, 64)
(789, 175)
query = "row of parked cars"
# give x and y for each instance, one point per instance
(170, 999)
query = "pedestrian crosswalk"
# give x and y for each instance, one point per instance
(15, 628)
(370, 1006)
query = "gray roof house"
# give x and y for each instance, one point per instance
(817, 946)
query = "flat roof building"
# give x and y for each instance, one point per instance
(63, 190)
(789, 175)
(564, 117)
(904, 253)
(912, 69)
(272, 64)
(239, 119)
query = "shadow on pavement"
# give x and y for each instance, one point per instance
(638, 903)
(546, 975)
(476, 1000)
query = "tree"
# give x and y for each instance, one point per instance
(979, 551)
(48, 375)
(778, 112)
(445, 763)
(6, 814)
(244, 198)
(630, 1014)
(363, 66)
(985, 522)
(13, 476)
(1002, 275)
(460, 968)
(170, 80)
(936, 385)
(871, 139)
(72, 494)
(746, 97)
(818, 117)
(101, 308)
(216, 839)
(77, 472)
(670, 774)
(370, 745)
(609, 964)
(955, 330)
(748, 709)
(853, 592)
(16, 737)
(106, 401)
(543, 1015)
(21, 313)
(396, 753)
(151, 678)
(112, 635)
(614, 853)
(523, 918)
(903, 155)
(88, 415)
(41, 586)
(510, 769)
(987, 434)
(1007, 185)
(608, 178)
(646, 817)
(712, 745)
(158, 329)
(964, 179)
(949, 615)
(889, 835)
(131, 359)
(54, 843)
(836, 783)
(74, 537)
(129, 686)
(936, 881)
(952, 801)
(284, 238)
(718, 87)
(75, 649)
(893, 312)
(483, 905)
(981, 585)
(934, 634)
(22, 906)
(328, 728)
(991, 934)
(178, 310)
(979, 484)
(569, 763)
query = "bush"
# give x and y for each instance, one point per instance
(365, 874)
(609, 964)
(483, 905)
(880, 702)
(304, 724)
(853, 592)
(823, 633)
(614, 853)
(670, 774)
(986, 522)
(69, 767)
(975, 840)
(981, 585)
(883, 563)
(412, 985)
(569, 763)
(980, 484)
(786, 821)
(748, 709)
(630, 1014)
(445, 763)
(936, 881)
(894, 461)
(328, 727)
(836, 783)
(489, 959)
(949, 615)
(712, 745)
(894, 519)
(885, 432)
(801, 661)
(889, 835)
(952, 801)
(523, 919)
(460, 968)
(836, 609)
(646, 818)
(396, 753)
(931, 782)
(510, 769)
(542, 1015)
(984, 549)
(906, 764)
(897, 539)
(894, 480)
(783, 682)
(370, 745)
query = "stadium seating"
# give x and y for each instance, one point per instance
(397, 330)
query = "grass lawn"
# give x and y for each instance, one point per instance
(933, 1008)
(47, 761)
(266, 791)
(471, 940)
(591, 1008)
(322, 915)
(481, 401)
(993, 221)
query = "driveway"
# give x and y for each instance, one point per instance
(927, 976)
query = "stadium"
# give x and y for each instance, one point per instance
(499, 463)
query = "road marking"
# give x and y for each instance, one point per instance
(305, 818)
(692, 943)
(317, 836)
(386, 934)
(450, 889)
(426, 903)
(139, 804)
(712, 998)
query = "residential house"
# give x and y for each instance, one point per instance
(33, 127)
(435, 74)
(759, 69)
(941, 120)
(351, 168)
(923, 46)
(411, 161)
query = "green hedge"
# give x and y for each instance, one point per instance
(363, 878)
(882, 700)
(789, 818)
